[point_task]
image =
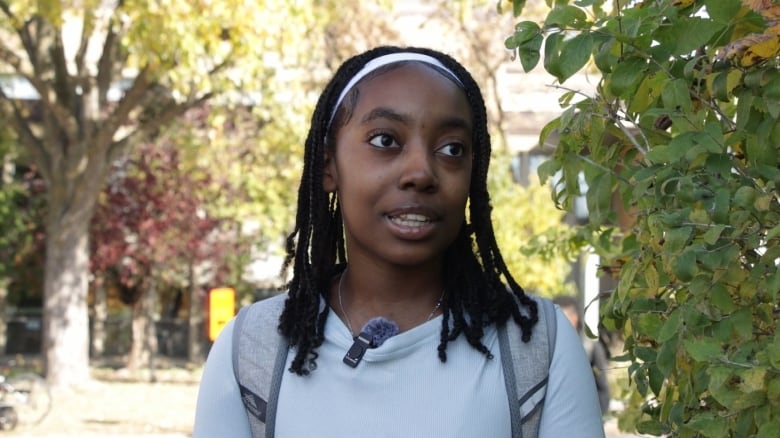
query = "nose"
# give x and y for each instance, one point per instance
(417, 169)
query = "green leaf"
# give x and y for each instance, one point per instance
(760, 152)
(707, 424)
(667, 354)
(607, 55)
(769, 430)
(663, 154)
(742, 323)
(744, 109)
(724, 83)
(684, 265)
(727, 386)
(771, 89)
(645, 354)
(656, 380)
(566, 17)
(671, 326)
(722, 11)
(651, 427)
(703, 350)
(687, 34)
(711, 138)
(713, 234)
(773, 352)
(529, 52)
(649, 324)
(599, 197)
(773, 390)
(676, 96)
(773, 284)
(647, 92)
(722, 203)
(774, 232)
(526, 31)
(575, 53)
(676, 149)
(676, 239)
(626, 75)
(721, 299)
(517, 7)
(744, 196)
(551, 55)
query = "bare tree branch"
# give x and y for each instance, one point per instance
(33, 144)
(6, 8)
(161, 118)
(63, 87)
(131, 100)
(106, 65)
(9, 57)
(87, 27)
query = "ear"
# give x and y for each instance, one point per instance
(329, 173)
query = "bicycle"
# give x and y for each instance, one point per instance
(25, 398)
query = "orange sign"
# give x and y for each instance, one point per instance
(222, 308)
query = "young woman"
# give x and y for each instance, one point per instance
(394, 222)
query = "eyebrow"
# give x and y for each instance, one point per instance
(390, 114)
(384, 113)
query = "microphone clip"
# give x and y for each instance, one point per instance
(358, 349)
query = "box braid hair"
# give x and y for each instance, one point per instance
(476, 295)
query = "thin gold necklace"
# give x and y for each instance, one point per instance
(346, 317)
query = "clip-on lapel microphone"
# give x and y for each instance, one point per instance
(374, 333)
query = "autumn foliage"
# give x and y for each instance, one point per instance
(682, 131)
(150, 221)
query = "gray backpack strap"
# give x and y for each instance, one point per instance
(526, 368)
(259, 359)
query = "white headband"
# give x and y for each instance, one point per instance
(385, 60)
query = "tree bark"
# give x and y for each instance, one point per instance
(65, 313)
(144, 342)
(100, 311)
(195, 329)
(3, 314)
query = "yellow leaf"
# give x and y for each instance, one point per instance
(682, 3)
(760, 48)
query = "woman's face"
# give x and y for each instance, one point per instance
(402, 166)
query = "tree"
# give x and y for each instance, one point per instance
(133, 67)
(149, 230)
(681, 134)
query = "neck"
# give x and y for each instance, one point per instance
(357, 299)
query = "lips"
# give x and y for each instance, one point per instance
(416, 222)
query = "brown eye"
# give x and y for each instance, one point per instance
(452, 149)
(383, 141)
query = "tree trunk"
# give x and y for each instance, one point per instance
(65, 313)
(3, 314)
(100, 312)
(144, 342)
(195, 330)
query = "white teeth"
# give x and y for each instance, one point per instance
(410, 220)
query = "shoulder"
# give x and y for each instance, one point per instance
(273, 303)
(260, 317)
